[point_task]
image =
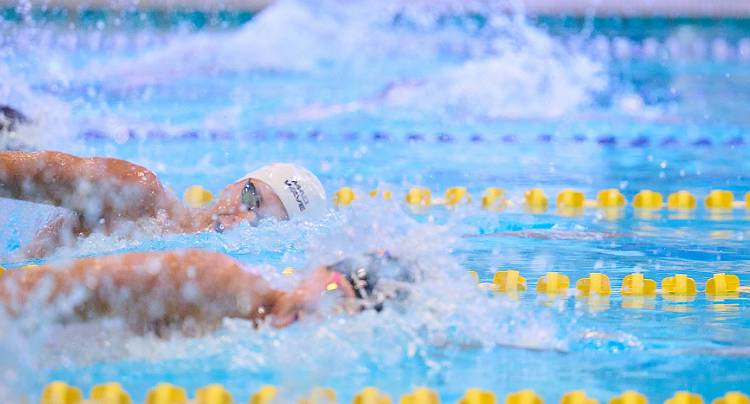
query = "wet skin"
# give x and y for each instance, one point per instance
(131, 285)
(229, 210)
(103, 193)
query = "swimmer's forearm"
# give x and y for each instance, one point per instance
(145, 287)
(97, 187)
(42, 177)
(13, 173)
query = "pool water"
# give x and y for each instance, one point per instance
(393, 97)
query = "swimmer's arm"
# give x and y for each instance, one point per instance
(62, 230)
(293, 306)
(146, 288)
(95, 187)
(551, 234)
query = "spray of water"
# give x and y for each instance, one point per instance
(493, 67)
(441, 314)
(50, 124)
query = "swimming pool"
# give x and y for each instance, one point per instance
(395, 98)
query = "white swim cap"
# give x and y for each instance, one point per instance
(299, 190)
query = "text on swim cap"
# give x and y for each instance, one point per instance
(298, 193)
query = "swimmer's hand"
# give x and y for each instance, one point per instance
(304, 300)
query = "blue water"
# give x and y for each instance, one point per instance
(516, 107)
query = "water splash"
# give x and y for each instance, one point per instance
(443, 315)
(440, 289)
(493, 67)
(50, 118)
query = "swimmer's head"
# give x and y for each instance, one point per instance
(374, 278)
(299, 190)
(277, 190)
(10, 118)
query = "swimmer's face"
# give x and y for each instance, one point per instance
(251, 200)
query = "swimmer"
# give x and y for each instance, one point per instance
(192, 289)
(410, 93)
(395, 93)
(101, 194)
(554, 234)
(10, 118)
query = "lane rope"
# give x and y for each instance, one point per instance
(59, 392)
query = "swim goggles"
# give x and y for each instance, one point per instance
(251, 200)
(364, 289)
(250, 196)
(356, 273)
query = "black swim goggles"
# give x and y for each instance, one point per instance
(362, 276)
(250, 197)
(364, 289)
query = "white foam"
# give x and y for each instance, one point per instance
(505, 70)
(50, 117)
(516, 85)
(444, 308)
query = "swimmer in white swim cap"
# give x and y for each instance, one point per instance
(106, 195)
(101, 194)
(289, 190)
(128, 285)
